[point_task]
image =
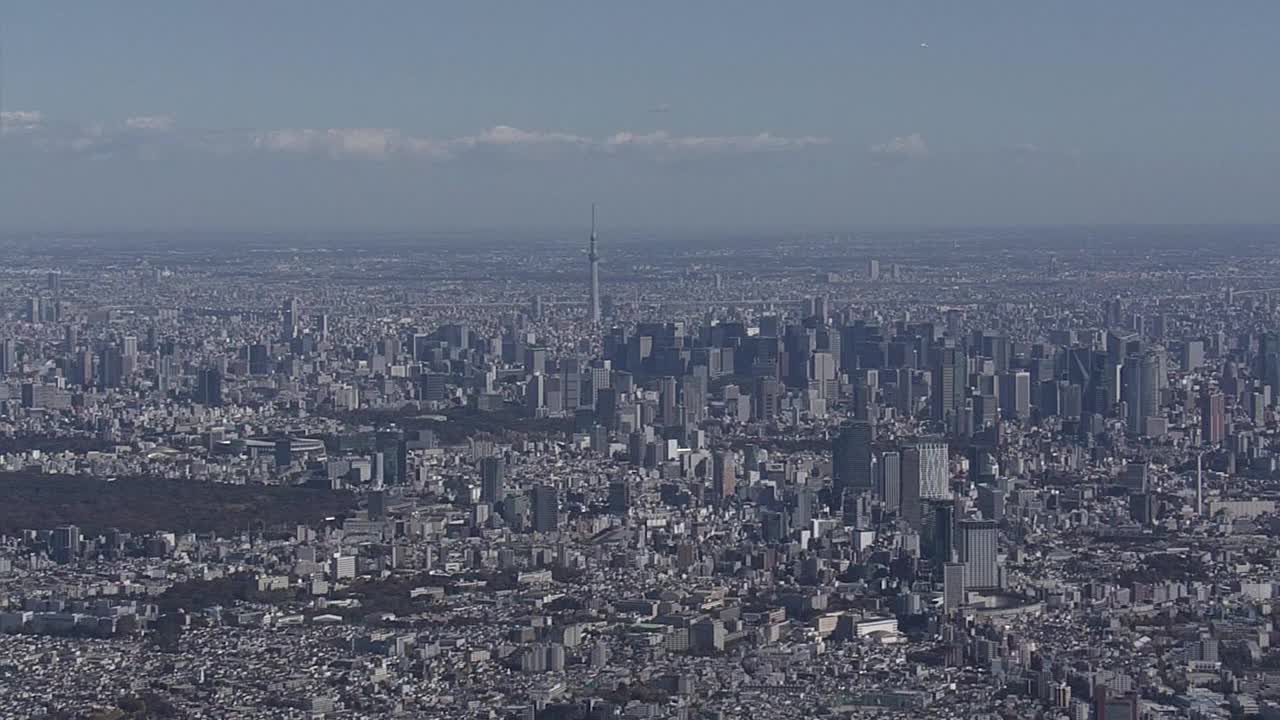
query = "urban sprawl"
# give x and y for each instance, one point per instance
(935, 474)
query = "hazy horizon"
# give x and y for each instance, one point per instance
(418, 116)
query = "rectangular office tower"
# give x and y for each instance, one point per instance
(909, 501)
(952, 585)
(545, 502)
(851, 464)
(979, 541)
(1015, 395)
(931, 464)
(890, 480)
(493, 473)
(1213, 418)
(950, 382)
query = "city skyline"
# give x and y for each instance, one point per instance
(922, 360)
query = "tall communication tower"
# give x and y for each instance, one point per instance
(594, 258)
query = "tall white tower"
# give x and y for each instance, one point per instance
(594, 258)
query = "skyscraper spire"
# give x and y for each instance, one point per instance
(594, 258)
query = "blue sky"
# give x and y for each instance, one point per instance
(416, 115)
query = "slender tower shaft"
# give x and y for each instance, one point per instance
(594, 258)
(1200, 484)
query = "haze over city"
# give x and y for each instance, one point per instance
(409, 115)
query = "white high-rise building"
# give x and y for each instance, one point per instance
(935, 473)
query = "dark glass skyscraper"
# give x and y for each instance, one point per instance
(209, 387)
(851, 461)
(950, 372)
(493, 472)
(545, 502)
(1213, 418)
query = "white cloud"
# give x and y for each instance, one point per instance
(143, 133)
(725, 143)
(383, 142)
(21, 119)
(910, 146)
(424, 147)
(380, 143)
(369, 142)
(289, 140)
(511, 136)
(150, 122)
(366, 142)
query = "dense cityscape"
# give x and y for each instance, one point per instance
(961, 473)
